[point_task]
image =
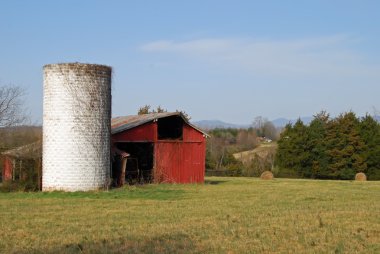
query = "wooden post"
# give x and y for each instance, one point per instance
(20, 170)
(13, 169)
(123, 167)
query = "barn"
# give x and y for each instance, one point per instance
(160, 147)
(23, 162)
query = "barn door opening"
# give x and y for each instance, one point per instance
(170, 128)
(139, 167)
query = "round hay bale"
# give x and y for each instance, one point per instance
(266, 175)
(360, 177)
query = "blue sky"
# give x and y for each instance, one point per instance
(227, 60)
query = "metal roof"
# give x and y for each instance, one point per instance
(30, 151)
(122, 123)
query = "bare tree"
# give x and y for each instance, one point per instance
(186, 115)
(376, 112)
(265, 128)
(271, 155)
(246, 139)
(258, 122)
(146, 109)
(160, 110)
(269, 130)
(11, 106)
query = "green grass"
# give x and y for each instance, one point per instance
(225, 215)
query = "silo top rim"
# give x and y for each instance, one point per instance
(77, 65)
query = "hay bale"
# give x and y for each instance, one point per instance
(360, 177)
(267, 175)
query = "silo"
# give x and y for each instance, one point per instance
(76, 126)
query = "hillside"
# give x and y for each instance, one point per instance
(262, 151)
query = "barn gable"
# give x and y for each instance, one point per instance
(123, 123)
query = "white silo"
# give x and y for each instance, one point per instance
(76, 126)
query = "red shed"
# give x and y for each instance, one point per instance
(23, 161)
(162, 147)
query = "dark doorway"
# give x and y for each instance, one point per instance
(170, 128)
(139, 163)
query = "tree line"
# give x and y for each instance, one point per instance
(330, 148)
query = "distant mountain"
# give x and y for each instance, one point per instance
(213, 124)
(278, 123)
(281, 122)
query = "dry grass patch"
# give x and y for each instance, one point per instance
(225, 215)
(261, 151)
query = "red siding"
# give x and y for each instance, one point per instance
(7, 169)
(144, 133)
(191, 134)
(179, 162)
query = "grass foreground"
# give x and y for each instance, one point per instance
(225, 215)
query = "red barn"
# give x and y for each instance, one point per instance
(162, 147)
(23, 161)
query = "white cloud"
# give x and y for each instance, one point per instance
(202, 45)
(329, 56)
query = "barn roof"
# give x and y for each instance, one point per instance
(123, 123)
(30, 151)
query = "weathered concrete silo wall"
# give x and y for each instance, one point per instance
(76, 126)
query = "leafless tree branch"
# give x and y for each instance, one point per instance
(11, 106)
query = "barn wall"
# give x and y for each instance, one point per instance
(7, 169)
(179, 162)
(190, 134)
(142, 133)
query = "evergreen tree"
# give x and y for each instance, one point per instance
(283, 156)
(317, 145)
(345, 149)
(292, 153)
(301, 149)
(370, 134)
(331, 149)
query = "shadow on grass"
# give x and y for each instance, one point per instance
(148, 192)
(168, 243)
(215, 182)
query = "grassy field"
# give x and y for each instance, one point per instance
(225, 215)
